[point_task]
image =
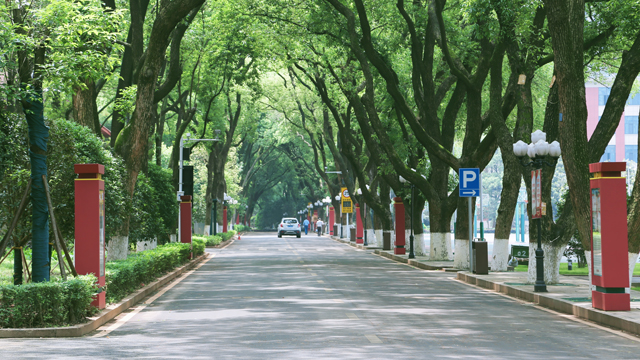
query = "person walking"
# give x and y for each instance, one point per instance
(319, 224)
(306, 226)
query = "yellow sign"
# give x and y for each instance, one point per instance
(346, 203)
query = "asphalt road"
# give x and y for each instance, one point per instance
(314, 298)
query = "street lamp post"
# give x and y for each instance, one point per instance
(214, 216)
(338, 197)
(411, 254)
(364, 211)
(538, 151)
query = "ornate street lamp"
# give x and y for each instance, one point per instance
(338, 197)
(538, 151)
(411, 254)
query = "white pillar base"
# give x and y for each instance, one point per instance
(500, 256)
(461, 258)
(371, 238)
(207, 228)
(440, 247)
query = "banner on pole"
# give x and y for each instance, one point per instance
(536, 194)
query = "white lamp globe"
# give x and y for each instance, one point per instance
(337, 197)
(531, 151)
(537, 136)
(402, 180)
(520, 148)
(542, 148)
(554, 149)
(359, 191)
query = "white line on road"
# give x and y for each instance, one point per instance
(127, 317)
(373, 339)
(353, 316)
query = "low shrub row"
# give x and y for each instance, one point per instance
(125, 276)
(198, 245)
(54, 303)
(227, 235)
(241, 228)
(60, 303)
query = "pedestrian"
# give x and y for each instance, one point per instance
(306, 226)
(319, 226)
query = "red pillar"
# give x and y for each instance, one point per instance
(359, 229)
(89, 229)
(315, 214)
(224, 218)
(400, 242)
(332, 220)
(238, 219)
(185, 219)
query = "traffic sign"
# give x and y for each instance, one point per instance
(469, 182)
(347, 204)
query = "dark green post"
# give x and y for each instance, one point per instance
(215, 216)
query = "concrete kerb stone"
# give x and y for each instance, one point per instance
(563, 306)
(105, 315)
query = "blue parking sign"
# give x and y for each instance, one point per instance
(469, 182)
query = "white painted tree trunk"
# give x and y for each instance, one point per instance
(418, 245)
(500, 256)
(207, 228)
(146, 245)
(371, 238)
(633, 258)
(172, 238)
(461, 258)
(587, 254)
(440, 246)
(378, 237)
(118, 248)
(345, 232)
(552, 257)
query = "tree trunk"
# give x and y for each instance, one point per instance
(85, 109)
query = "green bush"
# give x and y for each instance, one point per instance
(45, 304)
(241, 228)
(227, 235)
(197, 245)
(126, 276)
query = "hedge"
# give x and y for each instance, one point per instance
(54, 303)
(227, 235)
(126, 276)
(198, 245)
(59, 303)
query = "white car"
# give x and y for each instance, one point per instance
(289, 226)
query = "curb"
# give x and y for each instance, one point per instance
(413, 262)
(105, 315)
(600, 317)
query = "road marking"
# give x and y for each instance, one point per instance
(314, 274)
(373, 339)
(301, 262)
(328, 290)
(353, 316)
(128, 317)
(321, 282)
(263, 249)
(562, 315)
(338, 301)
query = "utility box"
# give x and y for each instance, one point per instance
(352, 233)
(90, 225)
(609, 241)
(480, 257)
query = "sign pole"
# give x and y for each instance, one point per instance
(481, 214)
(470, 237)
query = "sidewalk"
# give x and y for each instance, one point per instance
(571, 296)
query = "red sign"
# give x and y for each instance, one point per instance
(536, 194)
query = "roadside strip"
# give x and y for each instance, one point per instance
(608, 321)
(107, 314)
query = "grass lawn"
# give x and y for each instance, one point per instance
(576, 270)
(6, 268)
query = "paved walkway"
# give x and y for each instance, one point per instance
(315, 298)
